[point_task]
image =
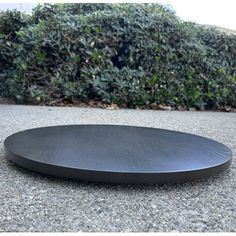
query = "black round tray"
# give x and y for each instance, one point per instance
(117, 154)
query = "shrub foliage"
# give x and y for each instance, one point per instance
(128, 54)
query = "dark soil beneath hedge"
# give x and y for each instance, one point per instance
(113, 106)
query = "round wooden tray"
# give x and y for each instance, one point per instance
(117, 154)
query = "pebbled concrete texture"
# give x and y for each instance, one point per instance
(31, 202)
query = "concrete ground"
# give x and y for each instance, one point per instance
(34, 202)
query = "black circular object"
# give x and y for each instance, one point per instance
(117, 154)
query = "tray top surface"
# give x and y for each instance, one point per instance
(114, 148)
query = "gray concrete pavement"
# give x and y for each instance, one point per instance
(33, 202)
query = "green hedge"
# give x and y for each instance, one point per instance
(128, 54)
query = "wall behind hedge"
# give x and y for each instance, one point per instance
(128, 54)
